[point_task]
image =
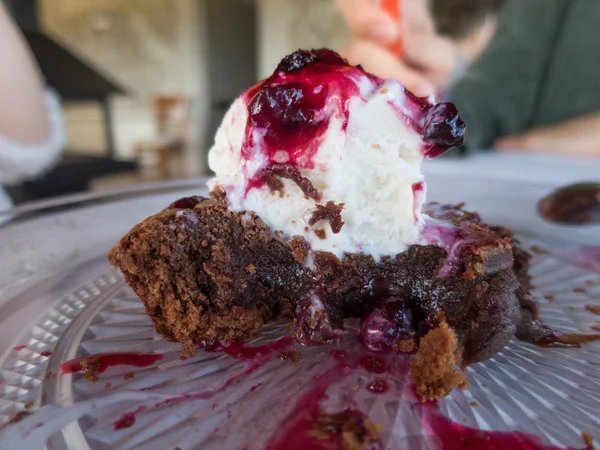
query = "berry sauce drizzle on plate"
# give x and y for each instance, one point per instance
(308, 424)
(147, 397)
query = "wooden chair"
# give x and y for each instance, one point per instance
(172, 125)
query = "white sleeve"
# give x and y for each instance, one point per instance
(20, 162)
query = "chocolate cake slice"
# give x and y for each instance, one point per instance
(204, 271)
(317, 215)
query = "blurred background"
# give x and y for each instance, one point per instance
(142, 85)
(145, 83)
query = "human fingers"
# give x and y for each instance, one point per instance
(368, 21)
(512, 143)
(384, 64)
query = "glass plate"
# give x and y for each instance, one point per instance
(60, 299)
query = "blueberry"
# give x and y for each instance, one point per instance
(444, 129)
(304, 58)
(186, 202)
(386, 325)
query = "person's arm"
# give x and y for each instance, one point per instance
(579, 136)
(32, 132)
(498, 95)
(23, 111)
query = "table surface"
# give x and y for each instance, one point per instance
(535, 169)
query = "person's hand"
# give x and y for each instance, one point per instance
(374, 32)
(426, 56)
(577, 137)
(376, 59)
(368, 21)
(520, 142)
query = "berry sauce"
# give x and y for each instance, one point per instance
(454, 436)
(239, 350)
(289, 114)
(103, 361)
(125, 421)
(446, 227)
(378, 386)
(307, 426)
(373, 364)
(302, 427)
(418, 190)
(584, 257)
(128, 419)
(186, 202)
(253, 358)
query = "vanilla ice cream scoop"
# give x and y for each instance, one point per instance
(328, 152)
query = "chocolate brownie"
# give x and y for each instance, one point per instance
(204, 271)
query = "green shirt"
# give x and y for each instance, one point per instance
(541, 68)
